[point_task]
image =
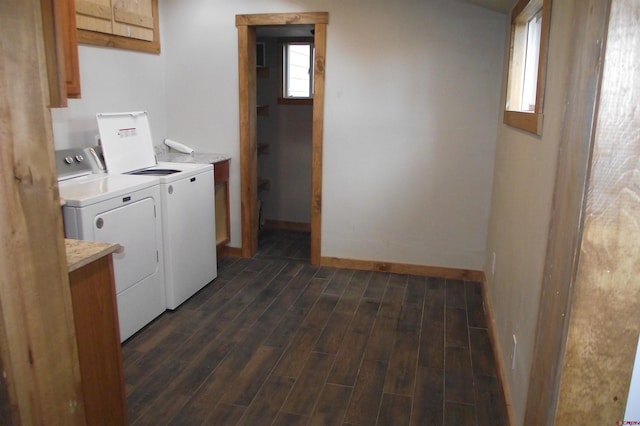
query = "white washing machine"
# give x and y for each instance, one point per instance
(125, 210)
(188, 202)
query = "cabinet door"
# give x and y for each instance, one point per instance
(94, 15)
(70, 47)
(222, 214)
(61, 51)
(133, 19)
(96, 323)
(223, 226)
(126, 18)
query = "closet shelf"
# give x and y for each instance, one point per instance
(262, 72)
(263, 109)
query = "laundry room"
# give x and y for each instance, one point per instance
(406, 162)
(391, 183)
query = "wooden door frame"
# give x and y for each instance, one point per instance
(246, 25)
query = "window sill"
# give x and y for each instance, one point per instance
(295, 101)
(527, 121)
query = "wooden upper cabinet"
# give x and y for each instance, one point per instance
(61, 51)
(125, 24)
(70, 47)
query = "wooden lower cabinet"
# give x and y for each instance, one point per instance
(223, 226)
(98, 335)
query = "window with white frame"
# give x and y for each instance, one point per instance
(297, 70)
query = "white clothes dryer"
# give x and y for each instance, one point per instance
(125, 210)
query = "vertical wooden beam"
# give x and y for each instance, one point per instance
(37, 338)
(589, 25)
(605, 319)
(320, 43)
(248, 139)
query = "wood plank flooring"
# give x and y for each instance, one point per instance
(282, 244)
(274, 340)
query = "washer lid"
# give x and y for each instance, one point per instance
(126, 141)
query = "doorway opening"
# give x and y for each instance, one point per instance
(248, 114)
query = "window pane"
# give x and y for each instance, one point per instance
(534, 28)
(298, 70)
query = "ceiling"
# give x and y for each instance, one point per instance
(503, 6)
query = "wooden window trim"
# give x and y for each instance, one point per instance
(530, 121)
(120, 42)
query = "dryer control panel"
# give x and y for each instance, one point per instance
(72, 163)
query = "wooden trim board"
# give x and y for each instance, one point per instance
(282, 19)
(531, 122)
(230, 251)
(320, 43)
(497, 351)
(248, 140)
(403, 268)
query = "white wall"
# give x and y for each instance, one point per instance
(412, 89)
(412, 94)
(111, 80)
(524, 180)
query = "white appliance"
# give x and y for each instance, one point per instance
(125, 210)
(187, 199)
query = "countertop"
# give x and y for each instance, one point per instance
(81, 253)
(196, 157)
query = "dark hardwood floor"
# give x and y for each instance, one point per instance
(285, 245)
(274, 340)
